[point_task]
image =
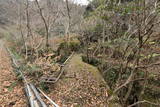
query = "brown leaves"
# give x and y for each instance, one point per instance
(9, 98)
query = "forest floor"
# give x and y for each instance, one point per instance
(11, 90)
(80, 86)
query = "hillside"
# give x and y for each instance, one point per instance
(62, 54)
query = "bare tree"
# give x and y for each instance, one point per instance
(21, 29)
(29, 31)
(44, 21)
(69, 20)
(49, 17)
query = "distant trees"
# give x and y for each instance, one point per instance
(6, 12)
(44, 17)
(69, 20)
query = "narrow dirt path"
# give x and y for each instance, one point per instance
(11, 91)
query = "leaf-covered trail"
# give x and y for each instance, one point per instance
(11, 91)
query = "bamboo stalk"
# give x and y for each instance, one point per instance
(37, 95)
(36, 103)
(27, 95)
(30, 96)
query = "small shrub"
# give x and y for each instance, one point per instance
(91, 60)
(73, 45)
(63, 58)
(111, 77)
(11, 87)
(44, 86)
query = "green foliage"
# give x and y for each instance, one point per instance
(97, 3)
(33, 70)
(73, 45)
(154, 79)
(152, 89)
(34, 67)
(91, 60)
(95, 32)
(98, 29)
(16, 55)
(11, 87)
(66, 48)
(44, 86)
(111, 77)
(149, 57)
(64, 58)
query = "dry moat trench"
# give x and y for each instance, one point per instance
(80, 90)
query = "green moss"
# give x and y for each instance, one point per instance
(77, 60)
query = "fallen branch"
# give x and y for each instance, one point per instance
(40, 43)
(68, 58)
(154, 64)
(62, 70)
(144, 101)
(51, 101)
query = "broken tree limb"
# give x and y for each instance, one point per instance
(147, 66)
(68, 58)
(144, 101)
(51, 101)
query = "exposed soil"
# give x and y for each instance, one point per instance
(11, 90)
